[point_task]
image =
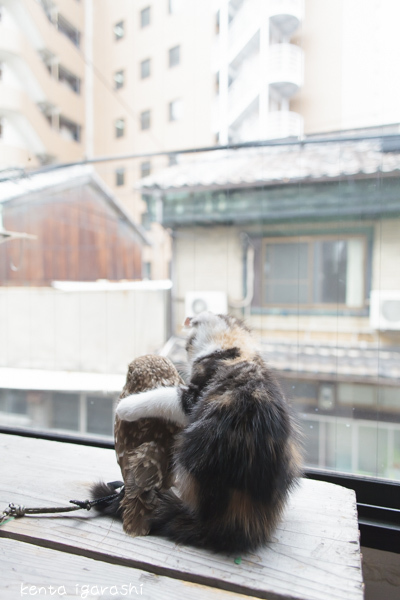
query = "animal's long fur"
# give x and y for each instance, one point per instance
(238, 456)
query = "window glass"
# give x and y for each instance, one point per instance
(145, 119)
(13, 401)
(314, 272)
(145, 17)
(174, 56)
(145, 168)
(120, 176)
(65, 411)
(145, 68)
(119, 30)
(99, 415)
(175, 110)
(119, 79)
(261, 177)
(119, 128)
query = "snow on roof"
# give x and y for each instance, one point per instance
(272, 165)
(72, 381)
(32, 182)
(27, 183)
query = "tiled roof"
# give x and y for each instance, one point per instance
(272, 165)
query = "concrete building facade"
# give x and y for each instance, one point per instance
(86, 79)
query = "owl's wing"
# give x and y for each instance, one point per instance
(145, 468)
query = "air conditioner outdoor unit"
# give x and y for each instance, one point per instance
(196, 302)
(384, 311)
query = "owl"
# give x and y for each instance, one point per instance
(144, 447)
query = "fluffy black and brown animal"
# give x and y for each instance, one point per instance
(239, 454)
(143, 449)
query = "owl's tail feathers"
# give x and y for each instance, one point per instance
(109, 499)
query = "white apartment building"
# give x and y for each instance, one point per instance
(258, 69)
(92, 78)
(42, 71)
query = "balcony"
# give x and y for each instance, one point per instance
(284, 124)
(244, 90)
(286, 69)
(243, 30)
(286, 15)
(34, 127)
(33, 71)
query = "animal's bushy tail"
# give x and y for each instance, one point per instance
(111, 504)
(174, 520)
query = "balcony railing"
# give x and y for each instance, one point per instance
(286, 15)
(243, 27)
(244, 89)
(286, 68)
(283, 124)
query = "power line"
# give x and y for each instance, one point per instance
(320, 139)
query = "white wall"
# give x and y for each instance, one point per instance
(95, 331)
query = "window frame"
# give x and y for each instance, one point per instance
(310, 239)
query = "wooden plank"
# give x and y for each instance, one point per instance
(28, 570)
(313, 555)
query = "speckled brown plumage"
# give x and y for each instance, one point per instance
(144, 447)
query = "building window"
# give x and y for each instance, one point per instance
(69, 129)
(172, 160)
(119, 30)
(147, 270)
(312, 271)
(145, 17)
(119, 79)
(145, 169)
(174, 6)
(174, 56)
(119, 128)
(175, 110)
(120, 176)
(68, 30)
(145, 68)
(69, 79)
(65, 411)
(145, 120)
(99, 415)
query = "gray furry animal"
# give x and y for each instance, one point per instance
(239, 454)
(143, 449)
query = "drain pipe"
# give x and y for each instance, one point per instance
(249, 261)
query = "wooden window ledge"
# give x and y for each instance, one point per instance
(314, 554)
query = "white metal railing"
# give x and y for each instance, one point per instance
(243, 26)
(246, 85)
(283, 124)
(294, 8)
(286, 15)
(285, 68)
